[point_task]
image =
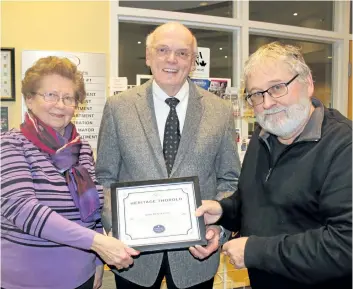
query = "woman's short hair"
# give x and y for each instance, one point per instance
(288, 54)
(49, 66)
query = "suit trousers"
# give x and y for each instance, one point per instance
(122, 283)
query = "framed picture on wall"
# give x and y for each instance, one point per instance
(142, 78)
(7, 74)
(4, 119)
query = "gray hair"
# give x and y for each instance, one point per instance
(289, 54)
(150, 37)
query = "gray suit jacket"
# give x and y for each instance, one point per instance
(129, 149)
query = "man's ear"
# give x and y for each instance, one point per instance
(148, 57)
(310, 85)
(193, 64)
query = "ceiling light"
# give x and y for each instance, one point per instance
(138, 42)
(226, 56)
(220, 48)
(329, 57)
(295, 14)
(203, 4)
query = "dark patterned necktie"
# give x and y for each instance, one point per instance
(171, 134)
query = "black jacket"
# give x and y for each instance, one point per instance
(297, 211)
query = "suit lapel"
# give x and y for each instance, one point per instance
(193, 117)
(145, 109)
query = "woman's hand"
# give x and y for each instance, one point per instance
(98, 277)
(113, 251)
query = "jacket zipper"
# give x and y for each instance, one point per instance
(268, 174)
(269, 160)
(279, 157)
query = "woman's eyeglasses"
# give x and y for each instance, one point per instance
(53, 97)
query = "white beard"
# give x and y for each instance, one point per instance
(286, 123)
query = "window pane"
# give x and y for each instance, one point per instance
(132, 54)
(318, 56)
(213, 8)
(310, 14)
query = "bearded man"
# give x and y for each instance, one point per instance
(293, 206)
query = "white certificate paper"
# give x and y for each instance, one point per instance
(158, 215)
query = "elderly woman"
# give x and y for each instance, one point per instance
(51, 202)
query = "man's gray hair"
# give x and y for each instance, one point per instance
(288, 54)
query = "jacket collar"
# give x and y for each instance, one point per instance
(194, 113)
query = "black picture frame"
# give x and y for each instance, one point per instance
(171, 245)
(8, 88)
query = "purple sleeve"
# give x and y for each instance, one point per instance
(20, 206)
(98, 259)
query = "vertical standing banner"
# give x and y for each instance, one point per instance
(88, 115)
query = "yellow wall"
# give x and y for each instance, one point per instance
(81, 26)
(350, 83)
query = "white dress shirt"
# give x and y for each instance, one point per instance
(162, 109)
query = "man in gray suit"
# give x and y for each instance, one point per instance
(132, 147)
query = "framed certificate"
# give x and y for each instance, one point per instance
(158, 215)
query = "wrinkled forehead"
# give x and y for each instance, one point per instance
(267, 71)
(173, 38)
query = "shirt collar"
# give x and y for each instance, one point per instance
(312, 130)
(161, 95)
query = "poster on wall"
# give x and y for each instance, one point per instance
(88, 115)
(215, 85)
(117, 85)
(4, 118)
(202, 64)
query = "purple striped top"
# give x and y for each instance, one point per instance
(44, 243)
